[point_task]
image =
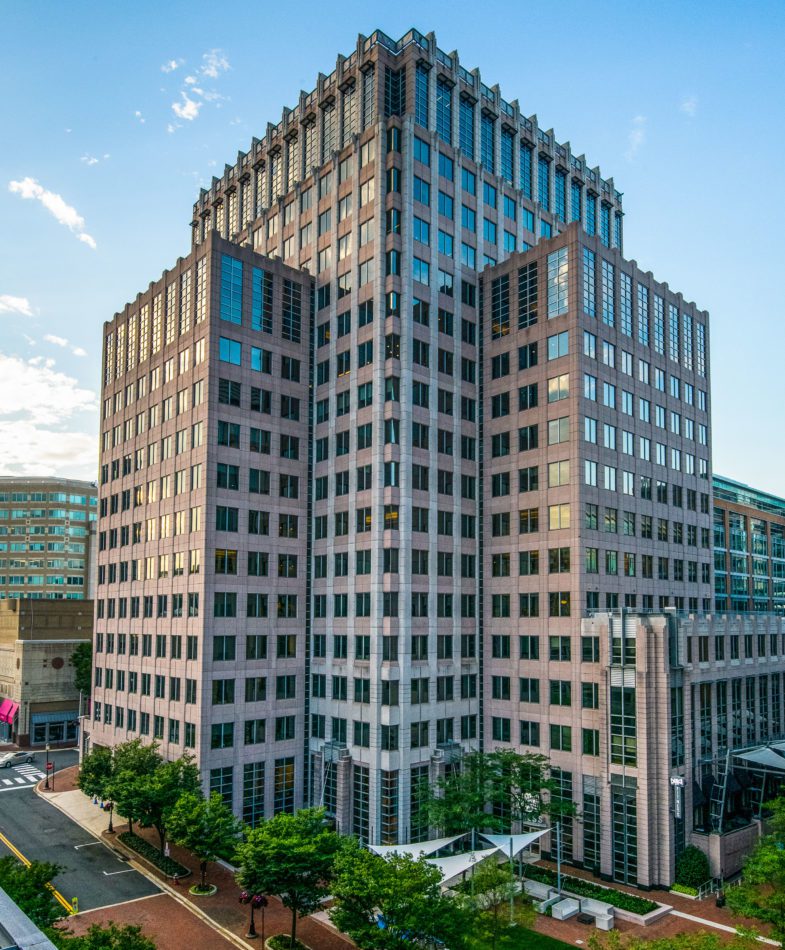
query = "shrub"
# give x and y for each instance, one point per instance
(169, 866)
(584, 888)
(692, 867)
(685, 889)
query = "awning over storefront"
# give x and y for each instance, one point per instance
(8, 710)
(764, 756)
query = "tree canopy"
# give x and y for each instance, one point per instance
(290, 857)
(761, 893)
(489, 791)
(206, 826)
(401, 893)
(82, 662)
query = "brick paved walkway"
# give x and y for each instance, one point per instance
(163, 919)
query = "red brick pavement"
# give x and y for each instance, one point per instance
(163, 919)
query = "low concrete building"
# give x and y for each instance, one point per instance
(39, 703)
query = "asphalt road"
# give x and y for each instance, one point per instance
(92, 872)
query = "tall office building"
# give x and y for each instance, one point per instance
(47, 528)
(306, 575)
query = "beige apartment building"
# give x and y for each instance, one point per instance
(39, 703)
(47, 528)
(402, 429)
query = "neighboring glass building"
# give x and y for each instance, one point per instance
(47, 527)
(749, 549)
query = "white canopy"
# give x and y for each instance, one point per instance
(765, 757)
(415, 850)
(457, 864)
(518, 842)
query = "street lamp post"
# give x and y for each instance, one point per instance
(257, 902)
(110, 806)
(46, 783)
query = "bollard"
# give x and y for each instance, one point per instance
(75, 905)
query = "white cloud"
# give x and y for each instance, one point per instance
(38, 431)
(171, 65)
(64, 213)
(57, 340)
(31, 450)
(34, 391)
(65, 344)
(636, 137)
(190, 80)
(9, 304)
(188, 109)
(138, 115)
(689, 105)
(214, 63)
(93, 160)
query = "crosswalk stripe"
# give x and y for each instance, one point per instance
(7, 781)
(19, 781)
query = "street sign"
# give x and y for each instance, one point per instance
(50, 766)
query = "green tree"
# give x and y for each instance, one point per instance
(147, 798)
(761, 893)
(290, 857)
(692, 867)
(491, 790)
(405, 893)
(495, 887)
(133, 765)
(96, 771)
(82, 662)
(110, 937)
(30, 889)
(206, 826)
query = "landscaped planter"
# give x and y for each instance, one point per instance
(645, 920)
(196, 890)
(690, 897)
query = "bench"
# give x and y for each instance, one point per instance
(603, 914)
(566, 908)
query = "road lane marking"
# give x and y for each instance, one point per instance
(89, 844)
(26, 861)
(112, 873)
(131, 900)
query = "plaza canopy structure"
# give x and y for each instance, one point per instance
(455, 865)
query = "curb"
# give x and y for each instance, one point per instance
(164, 887)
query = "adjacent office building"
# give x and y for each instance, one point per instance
(749, 549)
(39, 702)
(401, 423)
(46, 537)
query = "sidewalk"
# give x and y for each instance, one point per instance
(223, 908)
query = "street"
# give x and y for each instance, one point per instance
(92, 872)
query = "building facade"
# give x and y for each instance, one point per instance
(681, 694)
(39, 703)
(400, 426)
(203, 536)
(749, 549)
(46, 538)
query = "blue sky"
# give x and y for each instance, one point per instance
(115, 114)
